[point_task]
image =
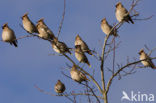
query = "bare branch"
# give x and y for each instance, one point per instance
(61, 23)
(54, 54)
(103, 53)
(147, 18)
(65, 94)
(91, 77)
(121, 69)
(113, 56)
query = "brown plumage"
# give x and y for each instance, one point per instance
(148, 62)
(60, 47)
(44, 31)
(84, 46)
(59, 87)
(77, 75)
(106, 28)
(8, 35)
(28, 24)
(80, 56)
(122, 13)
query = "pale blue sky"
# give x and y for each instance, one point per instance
(29, 64)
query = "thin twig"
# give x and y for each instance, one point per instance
(147, 18)
(61, 23)
(91, 77)
(65, 94)
(121, 69)
(103, 53)
(113, 56)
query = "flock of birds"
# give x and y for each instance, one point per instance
(122, 15)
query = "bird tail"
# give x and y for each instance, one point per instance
(89, 64)
(89, 52)
(115, 34)
(52, 37)
(15, 43)
(87, 79)
(130, 19)
(70, 53)
(154, 67)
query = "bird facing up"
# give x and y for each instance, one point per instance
(84, 46)
(59, 87)
(28, 24)
(77, 75)
(44, 31)
(80, 56)
(60, 47)
(122, 13)
(8, 35)
(148, 62)
(106, 28)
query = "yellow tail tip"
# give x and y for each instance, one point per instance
(90, 66)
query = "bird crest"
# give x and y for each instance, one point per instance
(5, 25)
(141, 51)
(117, 4)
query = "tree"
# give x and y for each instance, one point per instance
(109, 46)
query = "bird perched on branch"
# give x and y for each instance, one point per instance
(80, 56)
(8, 35)
(122, 13)
(59, 87)
(106, 28)
(84, 46)
(44, 31)
(28, 24)
(77, 75)
(148, 62)
(60, 47)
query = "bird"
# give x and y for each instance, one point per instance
(80, 56)
(44, 31)
(106, 28)
(84, 46)
(8, 35)
(148, 62)
(59, 87)
(60, 47)
(122, 13)
(77, 75)
(28, 25)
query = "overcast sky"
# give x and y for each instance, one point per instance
(29, 64)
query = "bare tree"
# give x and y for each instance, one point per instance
(95, 90)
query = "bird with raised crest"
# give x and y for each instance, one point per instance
(148, 62)
(44, 31)
(106, 28)
(84, 46)
(80, 56)
(28, 25)
(122, 13)
(60, 47)
(8, 35)
(59, 87)
(77, 75)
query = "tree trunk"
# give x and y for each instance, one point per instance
(105, 98)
